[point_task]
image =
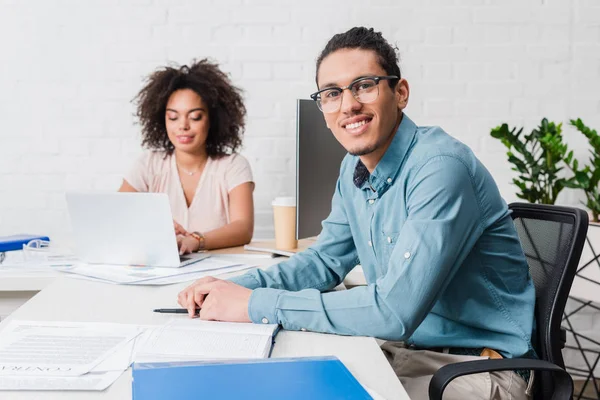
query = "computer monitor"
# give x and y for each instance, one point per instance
(318, 159)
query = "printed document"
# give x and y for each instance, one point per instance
(91, 381)
(59, 348)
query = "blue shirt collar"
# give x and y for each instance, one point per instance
(387, 169)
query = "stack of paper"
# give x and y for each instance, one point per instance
(193, 340)
(37, 355)
(140, 275)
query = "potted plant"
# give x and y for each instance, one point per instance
(537, 158)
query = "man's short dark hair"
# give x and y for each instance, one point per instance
(364, 39)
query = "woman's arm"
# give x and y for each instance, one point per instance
(241, 212)
(126, 187)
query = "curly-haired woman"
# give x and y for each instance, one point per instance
(192, 121)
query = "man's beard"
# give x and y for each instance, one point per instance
(364, 151)
(369, 148)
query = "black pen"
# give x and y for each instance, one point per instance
(174, 310)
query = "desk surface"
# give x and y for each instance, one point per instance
(13, 280)
(68, 299)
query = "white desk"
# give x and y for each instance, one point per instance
(18, 287)
(67, 299)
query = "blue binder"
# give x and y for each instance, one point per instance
(285, 378)
(16, 242)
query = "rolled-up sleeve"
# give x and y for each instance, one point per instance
(443, 223)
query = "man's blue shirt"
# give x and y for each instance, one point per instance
(437, 245)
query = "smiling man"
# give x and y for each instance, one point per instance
(446, 277)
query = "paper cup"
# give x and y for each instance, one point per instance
(284, 215)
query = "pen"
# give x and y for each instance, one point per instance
(174, 310)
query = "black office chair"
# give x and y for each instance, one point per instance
(552, 238)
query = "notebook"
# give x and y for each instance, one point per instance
(16, 242)
(312, 378)
(194, 340)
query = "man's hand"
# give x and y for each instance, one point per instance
(219, 300)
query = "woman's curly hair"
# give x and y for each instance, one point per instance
(224, 101)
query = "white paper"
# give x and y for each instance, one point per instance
(269, 250)
(99, 378)
(242, 256)
(134, 274)
(59, 349)
(121, 360)
(91, 381)
(206, 340)
(216, 326)
(192, 276)
(169, 279)
(15, 260)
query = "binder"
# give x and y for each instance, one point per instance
(312, 378)
(16, 242)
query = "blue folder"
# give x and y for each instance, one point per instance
(285, 378)
(16, 242)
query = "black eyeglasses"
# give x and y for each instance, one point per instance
(365, 90)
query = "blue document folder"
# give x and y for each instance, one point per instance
(16, 242)
(285, 378)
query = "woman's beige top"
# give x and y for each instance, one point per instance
(157, 172)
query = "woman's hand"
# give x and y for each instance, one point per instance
(179, 229)
(187, 244)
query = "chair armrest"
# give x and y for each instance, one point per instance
(563, 388)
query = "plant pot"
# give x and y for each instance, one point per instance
(582, 312)
(586, 285)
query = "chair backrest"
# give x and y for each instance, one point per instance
(552, 238)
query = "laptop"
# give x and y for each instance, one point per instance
(126, 229)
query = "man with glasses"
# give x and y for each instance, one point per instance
(447, 280)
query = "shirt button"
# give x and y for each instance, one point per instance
(264, 320)
(371, 201)
(407, 254)
(303, 329)
(389, 180)
(389, 239)
(370, 244)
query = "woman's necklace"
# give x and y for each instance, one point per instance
(191, 173)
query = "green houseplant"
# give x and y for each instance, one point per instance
(537, 158)
(588, 177)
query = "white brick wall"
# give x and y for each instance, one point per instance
(68, 70)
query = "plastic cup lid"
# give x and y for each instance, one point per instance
(284, 202)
